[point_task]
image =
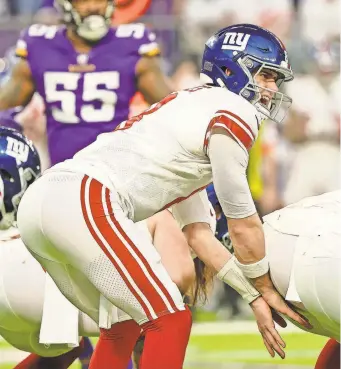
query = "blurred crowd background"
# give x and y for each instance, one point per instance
(298, 158)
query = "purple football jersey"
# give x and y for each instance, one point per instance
(8, 118)
(47, 4)
(84, 94)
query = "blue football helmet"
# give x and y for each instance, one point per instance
(19, 167)
(91, 28)
(235, 55)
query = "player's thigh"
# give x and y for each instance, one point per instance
(51, 221)
(75, 286)
(132, 275)
(22, 283)
(57, 235)
(81, 225)
(317, 278)
(280, 249)
(22, 293)
(173, 248)
(19, 340)
(53, 228)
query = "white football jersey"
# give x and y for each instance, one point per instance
(321, 215)
(160, 157)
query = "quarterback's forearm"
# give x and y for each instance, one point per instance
(208, 249)
(247, 237)
(201, 239)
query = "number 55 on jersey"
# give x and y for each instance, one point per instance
(84, 94)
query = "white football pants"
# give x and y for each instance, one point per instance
(314, 263)
(75, 228)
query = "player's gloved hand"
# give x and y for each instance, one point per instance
(266, 326)
(264, 285)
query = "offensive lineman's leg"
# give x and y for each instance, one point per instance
(171, 244)
(317, 275)
(173, 248)
(69, 279)
(21, 304)
(123, 334)
(174, 328)
(92, 238)
(165, 231)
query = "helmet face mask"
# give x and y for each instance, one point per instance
(277, 108)
(236, 55)
(91, 28)
(7, 218)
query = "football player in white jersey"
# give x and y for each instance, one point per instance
(34, 315)
(27, 294)
(303, 246)
(78, 219)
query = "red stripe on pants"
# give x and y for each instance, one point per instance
(131, 264)
(104, 249)
(138, 253)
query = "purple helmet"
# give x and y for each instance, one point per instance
(245, 50)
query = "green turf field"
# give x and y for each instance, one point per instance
(302, 349)
(212, 347)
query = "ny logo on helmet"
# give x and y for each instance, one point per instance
(235, 41)
(17, 149)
